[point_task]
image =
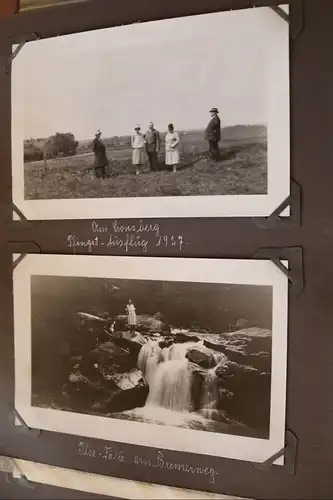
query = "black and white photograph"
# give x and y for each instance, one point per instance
(173, 118)
(186, 354)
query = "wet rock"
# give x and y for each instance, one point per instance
(181, 338)
(166, 342)
(250, 346)
(132, 342)
(242, 323)
(120, 323)
(201, 357)
(107, 378)
(198, 379)
(145, 323)
(250, 402)
(231, 369)
(87, 317)
(219, 347)
(129, 399)
(128, 380)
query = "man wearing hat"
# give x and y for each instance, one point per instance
(100, 160)
(213, 134)
(138, 144)
(152, 146)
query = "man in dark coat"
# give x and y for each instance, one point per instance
(213, 134)
(100, 161)
(152, 137)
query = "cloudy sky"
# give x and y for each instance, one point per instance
(164, 71)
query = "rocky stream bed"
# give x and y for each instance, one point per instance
(213, 381)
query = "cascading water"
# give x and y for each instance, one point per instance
(210, 394)
(170, 377)
(167, 374)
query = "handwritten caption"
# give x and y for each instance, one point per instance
(140, 235)
(110, 453)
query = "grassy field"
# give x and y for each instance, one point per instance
(241, 170)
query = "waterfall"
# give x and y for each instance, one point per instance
(149, 357)
(171, 386)
(209, 395)
(168, 376)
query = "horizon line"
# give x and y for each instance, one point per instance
(162, 131)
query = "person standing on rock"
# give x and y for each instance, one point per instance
(213, 134)
(100, 160)
(131, 316)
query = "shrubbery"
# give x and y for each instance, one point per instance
(32, 152)
(60, 144)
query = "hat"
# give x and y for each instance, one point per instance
(214, 110)
(137, 127)
(98, 132)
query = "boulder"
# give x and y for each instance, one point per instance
(124, 400)
(250, 403)
(201, 357)
(242, 323)
(145, 323)
(129, 341)
(219, 347)
(87, 317)
(181, 338)
(107, 378)
(165, 343)
(152, 324)
(250, 346)
(231, 369)
(120, 323)
(198, 380)
(128, 380)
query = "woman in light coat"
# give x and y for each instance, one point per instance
(138, 145)
(172, 148)
(131, 316)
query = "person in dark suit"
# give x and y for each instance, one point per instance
(152, 138)
(213, 134)
(100, 160)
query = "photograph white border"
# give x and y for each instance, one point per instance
(278, 161)
(229, 271)
(102, 485)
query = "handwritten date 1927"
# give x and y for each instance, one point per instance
(170, 241)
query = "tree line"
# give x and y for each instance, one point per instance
(59, 144)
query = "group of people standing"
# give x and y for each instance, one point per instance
(147, 145)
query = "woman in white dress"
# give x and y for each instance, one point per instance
(131, 316)
(172, 148)
(138, 146)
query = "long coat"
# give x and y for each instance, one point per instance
(131, 314)
(152, 140)
(213, 130)
(98, 148)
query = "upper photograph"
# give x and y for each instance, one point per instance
(185, 117)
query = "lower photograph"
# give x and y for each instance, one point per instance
(179, 354)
